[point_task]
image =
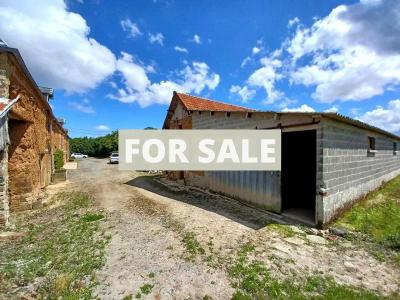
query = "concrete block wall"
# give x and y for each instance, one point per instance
(348, 171)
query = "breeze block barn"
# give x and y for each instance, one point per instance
(329, 161)
(30, 134)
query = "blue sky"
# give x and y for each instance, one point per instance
(114, 64)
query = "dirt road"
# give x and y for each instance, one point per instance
(172, 245)
(144, 249)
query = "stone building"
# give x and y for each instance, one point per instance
(34, 133)
(328, 160)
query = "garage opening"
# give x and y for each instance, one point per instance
(298, 181)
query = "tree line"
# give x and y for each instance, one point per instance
(100, 146)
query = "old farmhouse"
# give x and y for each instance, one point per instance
(30, 134)
(342, 159)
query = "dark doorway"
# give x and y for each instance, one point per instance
(298, 179)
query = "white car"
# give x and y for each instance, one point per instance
(114, 158)
(78, 155)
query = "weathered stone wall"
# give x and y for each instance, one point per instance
(4, 201)
(181, 119)
(27, 164)
(349, 172)
(30, 161)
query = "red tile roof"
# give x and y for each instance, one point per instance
(202, 104)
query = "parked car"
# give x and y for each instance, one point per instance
(78, 155)
(114, 158)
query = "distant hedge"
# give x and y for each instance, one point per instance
(98, 147)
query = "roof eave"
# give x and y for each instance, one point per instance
(17, 55)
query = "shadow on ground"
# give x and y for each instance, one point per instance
(232, 209)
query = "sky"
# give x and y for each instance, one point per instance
(114, 64)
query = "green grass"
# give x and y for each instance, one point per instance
(62, 248)
(378, 216)
(283, 230)
(192, 245)
(251, 280)
(146, 288)
(91, 217)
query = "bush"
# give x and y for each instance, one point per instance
(58, 159)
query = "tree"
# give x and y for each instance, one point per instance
(98, 147)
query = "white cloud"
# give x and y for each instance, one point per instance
(156, 38)
(256, 50)
(355, 111)
(293, 22)
(55, 44)
(83, 106)
(244, 92)
(284, 103)
(102, 128)
(245, 61)
(267, 76)
(196, 39)
(302, 108)
(134, 74)
(181, 49)
(352, 54)
(131, 28)
(138, 87)
(385, 118)
(333, 109)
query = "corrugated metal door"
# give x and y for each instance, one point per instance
(259, 188)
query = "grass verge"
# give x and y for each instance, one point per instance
(377, 217)
(59, 254)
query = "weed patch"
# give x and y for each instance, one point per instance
(146, 289)
(91, 217)
(283, 230)
(192, 245)
(251, 280)
(59, 254)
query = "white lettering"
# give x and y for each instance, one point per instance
(266, 151)
(160, 151)
(228, 151)
(209, 152)
(177, 148)
(130, 151)
(245, 153)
